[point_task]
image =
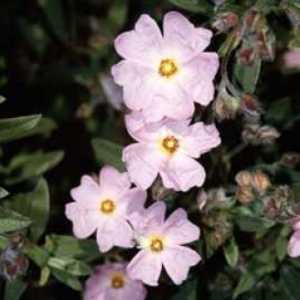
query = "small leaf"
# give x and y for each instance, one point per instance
(248, 75)
(15, 128)
(37, 254)
(45, 274)
(67, 279)
(27, 165)
(246, 283)
(11, 221)
(68, 246)
(34, 205)
(3, 193)
(69, 265)
(196, 6)
(231, 252)
(108, 153)
(253, 223)
(14, 289)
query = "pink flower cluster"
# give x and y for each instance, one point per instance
(162, 77)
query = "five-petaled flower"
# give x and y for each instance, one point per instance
(111, 282)
(168, 148)
(105, 206)
(161, 242)
(163, 75)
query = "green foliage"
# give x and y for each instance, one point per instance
(107, 152)
(231, 252)
(195, 6)
(14, 289)
(15, 128)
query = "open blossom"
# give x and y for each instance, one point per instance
(105, 206)
(163, 75)
(161, 242)
(111, 282)
(168, 148)
(294, 243)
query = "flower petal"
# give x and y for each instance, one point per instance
(183, 172)
(294, 245)
(141, 44)
(201, 139)
(177, 261)
(111, 177)
(145, 267)
(179, 229)
(179, 31)
(82, 226)
(142, 162)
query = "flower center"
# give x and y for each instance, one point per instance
(170, 144)
(107, 206)
(157, 245)
(117, 281)
(167, 68)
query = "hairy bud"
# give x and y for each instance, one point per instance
(259, 135)
(245, 195)
(261, 181)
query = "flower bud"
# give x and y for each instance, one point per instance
(259, 135)
(261, 181)
(226, 106)
(159, 192)
(251, 108)
(201, 199)
(245, 195)
(244, 178)
(225, 21)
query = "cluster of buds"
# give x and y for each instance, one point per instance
(251, 185)
(218, 228)
(258, 39)
(13, 263)
(255, 134)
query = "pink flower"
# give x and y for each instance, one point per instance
(105, 206)
(162, 76)
(294, 243)
(168, 148)
(161, 243)
(291, 59)
(110, 282)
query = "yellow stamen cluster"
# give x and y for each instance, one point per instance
(167, 68)
(156, 245)
(170, 144)
(107, 206)
(117, 281)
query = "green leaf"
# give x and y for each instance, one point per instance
(250, 223)
(246, 283)
(34, 205)
(70, 247)
(37, 254)
(69, 265)
(3, 192)
(231, 252)
(27, 165)
(15, 128)
(53, 10)
(11, 221)
(290, 278)
(67, 279)
(196, 6)
(282, 243)
(108, 153)
(279, 112)
(248, 75)
(188, 291)
(14, 289)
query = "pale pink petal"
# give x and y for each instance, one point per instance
(82, 227)
(142, 162)
(104, 239)
(145, 267)
(134, 290)
(87, 192)
(136, 82)
(201, 139)
(180, 32)
(179, 229)
(121, 233)
(133, 201)
(142, 43)
(139, 129)
(111, 177)
(184, 172)
(294, 245)
(177, 261)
